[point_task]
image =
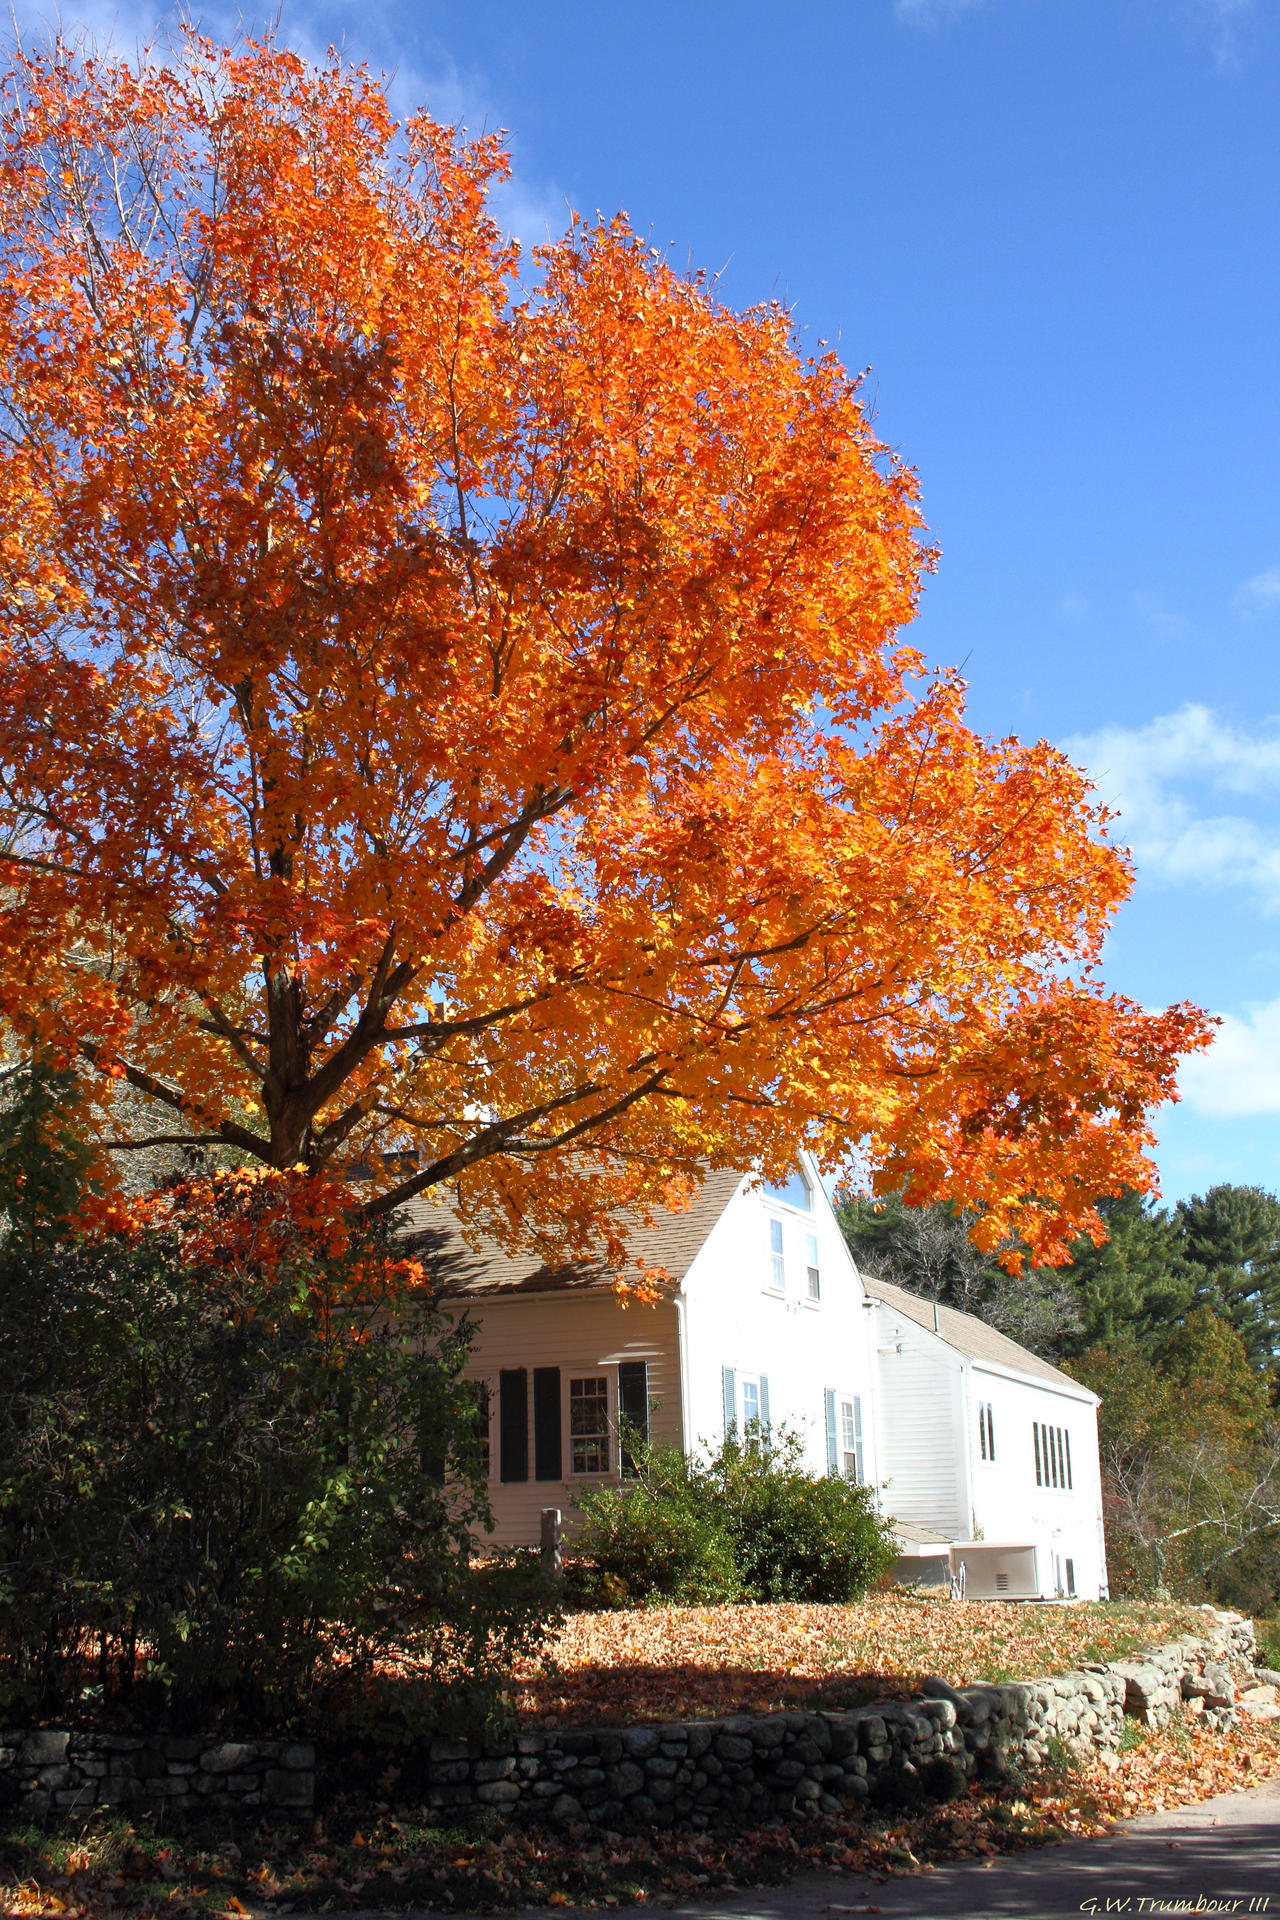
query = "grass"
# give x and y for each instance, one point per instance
(654, 1664)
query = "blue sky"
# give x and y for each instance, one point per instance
(1049, 228)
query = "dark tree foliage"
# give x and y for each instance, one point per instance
(42, 1162)
(1230, 1242)
(242, 1499)
(928, 1251)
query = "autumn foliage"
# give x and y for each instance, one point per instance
(456, 708)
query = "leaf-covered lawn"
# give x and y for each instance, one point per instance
(386, 1861)
(670, 1663)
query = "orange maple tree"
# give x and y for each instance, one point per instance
(453, 715)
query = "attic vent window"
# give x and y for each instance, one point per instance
(794, 1191)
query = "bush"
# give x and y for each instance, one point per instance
(655, 1538)
(749, 1523)
(236, 1497)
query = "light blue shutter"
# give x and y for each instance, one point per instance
(833, 1438)
(729, 1381)
(764, 1407)
(857, 1432)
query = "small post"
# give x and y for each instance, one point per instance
(552, 1544)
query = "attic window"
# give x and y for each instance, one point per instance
(794, 1191)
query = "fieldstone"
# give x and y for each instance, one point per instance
(494, 1769)
(662, 1769)
(302, 1755)
(230, 1757)
(289, 1787)
(626, 1778)
(565, 1808)
(640, 1741)
(44, 1749)
(76, 1797)
(935, 1688)
(501, 1793)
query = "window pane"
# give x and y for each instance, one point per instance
(777, 1265)
(794, 1190)
(848, 1440)
(982, 1428)
(991, 1435)
(750, 1403)
(813, 1273)
(589, 1425)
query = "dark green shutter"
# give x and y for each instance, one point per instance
(633, 1406)
(513, 1424)
(547, 1462)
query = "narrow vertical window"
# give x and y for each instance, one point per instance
(589, 1424)
(1071, 1578)
(982, 1428)
(1035, 1435)
(991, 1434)
(777, 1266)
(850, 1440)
(1067, 1442)
(813, 1270)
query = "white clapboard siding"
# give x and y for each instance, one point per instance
(921, 1408)
(586, 1334)
(740, 1322)
(1009, 1503)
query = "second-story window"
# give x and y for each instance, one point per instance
(777, 1265)
(812, 1269)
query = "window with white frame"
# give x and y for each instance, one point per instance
(589, 1424)
(1052, 1447)
(777, 1259)
(850, 1413)
(986, 1430)
(750, 1407)
(812, 1270)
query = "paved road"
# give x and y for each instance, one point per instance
(1224, 1851)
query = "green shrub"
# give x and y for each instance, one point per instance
(242, 1498)
(748, 1523)
(797, 1537)
(654, 1538)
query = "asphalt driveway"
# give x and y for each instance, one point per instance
(1222, 1856)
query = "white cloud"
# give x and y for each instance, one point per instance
(1261, 594)
(1173, 784)
(1239, 1075)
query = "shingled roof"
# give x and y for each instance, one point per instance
(672, 1242)
(969, 1336)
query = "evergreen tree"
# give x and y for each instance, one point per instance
(1230, 1241)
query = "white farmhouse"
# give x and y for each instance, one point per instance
(982, 1453)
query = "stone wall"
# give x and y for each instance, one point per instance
(753, 1767)
(52, 1774)
(746, 1767)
